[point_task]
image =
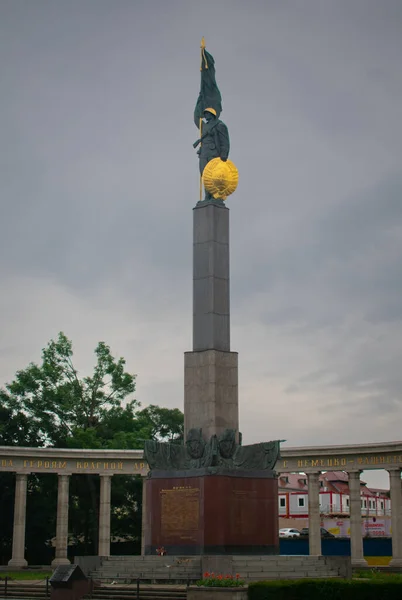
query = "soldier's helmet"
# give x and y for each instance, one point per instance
(210, 110)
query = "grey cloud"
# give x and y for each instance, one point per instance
(98, 179)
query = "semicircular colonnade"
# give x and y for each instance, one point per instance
(311, 460)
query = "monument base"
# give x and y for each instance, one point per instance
(197, 512)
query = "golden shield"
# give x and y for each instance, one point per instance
(220, 178)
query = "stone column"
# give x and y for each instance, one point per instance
(314, 521)
(20, 503)
(144, 522)
(356, 539)
(396, 516)
(104, 515)
(62, 521)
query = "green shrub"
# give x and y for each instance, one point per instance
(325, 589)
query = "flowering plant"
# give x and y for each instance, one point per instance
(215, 580)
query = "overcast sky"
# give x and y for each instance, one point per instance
(98, 179)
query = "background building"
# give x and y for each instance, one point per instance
(334, 504)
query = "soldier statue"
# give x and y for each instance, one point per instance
(214, 142)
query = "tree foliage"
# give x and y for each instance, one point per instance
(49, 404)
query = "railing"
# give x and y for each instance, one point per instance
(22, 582)
(5, 589)
(136, 582)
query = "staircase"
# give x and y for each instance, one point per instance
(150, 569)
(187, 569)
(258, 568)
(145, 592)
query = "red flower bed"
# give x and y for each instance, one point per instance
(218, 580)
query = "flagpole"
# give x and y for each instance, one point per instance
(200, 151)
(204, 63)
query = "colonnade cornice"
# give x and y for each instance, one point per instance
(305, 459)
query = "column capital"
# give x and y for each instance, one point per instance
(110, 475)
(21, 476)
(394, 471)
(354, 474)
(312, 474)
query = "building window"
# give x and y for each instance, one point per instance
(301, 502)
(365, 504)
(382, 504)
(282, 502)
(347, 502)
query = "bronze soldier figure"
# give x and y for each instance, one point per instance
(214, 142)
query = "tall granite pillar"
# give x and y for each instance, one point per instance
(211, 496)
(211, 369)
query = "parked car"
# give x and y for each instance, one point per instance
(289, 533)
(324, 533)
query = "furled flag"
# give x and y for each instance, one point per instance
(209, 96)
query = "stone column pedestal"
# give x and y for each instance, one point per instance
(356, 539)
(396, 516)
(314, 522)
(20, 503)
(211, 392)
(62, 522)
(104, 515)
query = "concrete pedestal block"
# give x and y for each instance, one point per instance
(211, 392)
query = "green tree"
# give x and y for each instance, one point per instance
(50, 405)
(57, 402)
(164, 424)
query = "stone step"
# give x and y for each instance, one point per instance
(137, 573)
(146, 574)
(125, 594)
(137, 568)
(148, 557)
(286, 576)
(143, 596)
(290, 570)
(24, 594)
(145, 593)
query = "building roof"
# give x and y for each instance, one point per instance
(293, 482)
(334, 481)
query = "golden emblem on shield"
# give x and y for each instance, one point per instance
(220, 178)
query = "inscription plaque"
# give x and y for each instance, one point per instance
(180, 512)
